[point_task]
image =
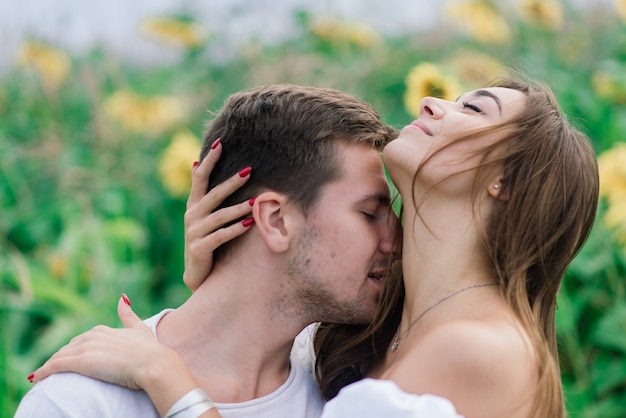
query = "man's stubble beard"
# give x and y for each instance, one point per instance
(315, 302)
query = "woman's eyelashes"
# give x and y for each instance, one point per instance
(475, 108)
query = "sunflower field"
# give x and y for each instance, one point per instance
(96, 157)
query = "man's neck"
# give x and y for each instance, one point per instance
(232, 337)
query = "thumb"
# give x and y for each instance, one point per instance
(126, 314)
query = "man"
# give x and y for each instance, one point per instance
(316, 253)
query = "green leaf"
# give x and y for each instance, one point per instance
(610, 331)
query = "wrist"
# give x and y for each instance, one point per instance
(191, 405)
(166, 380)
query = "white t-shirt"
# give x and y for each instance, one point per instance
(369, 398)
(71, 395)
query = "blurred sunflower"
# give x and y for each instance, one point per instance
(609, 82)
(354, 33)
(480, 20)
(546, 13)
(177, 162)
(475, 68)
(151, 115)
(620, 6)
(427, 79)
(57, 263)
(174, 31)
(51, 65)
(612, 169)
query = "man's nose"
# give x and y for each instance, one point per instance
(391, 236)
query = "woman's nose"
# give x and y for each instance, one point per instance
(431, 107)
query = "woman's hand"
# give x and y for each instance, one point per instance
(122, 356)
(204, 230)
(130, 357)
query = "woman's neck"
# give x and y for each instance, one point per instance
(442, 253)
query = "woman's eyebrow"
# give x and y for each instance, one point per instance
(495, 98)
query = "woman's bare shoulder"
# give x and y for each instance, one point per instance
(482, 366)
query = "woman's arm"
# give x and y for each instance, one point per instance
(130, 357)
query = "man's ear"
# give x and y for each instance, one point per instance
(276, 219)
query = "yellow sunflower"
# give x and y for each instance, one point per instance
(151, 115)
(51, 65)
(177, 162)
(620, 7)
(610, 84)
(480, 21)
(427, 79)
(475, 68)
(612, 170)
(337, 31)
(546, 13)
(58, 264)
(174, 31)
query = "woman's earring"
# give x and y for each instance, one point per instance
(496, 186)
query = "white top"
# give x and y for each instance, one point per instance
(72, 395)
(369, 398)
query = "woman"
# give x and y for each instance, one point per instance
(499, 195)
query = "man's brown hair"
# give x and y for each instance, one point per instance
(288, 134)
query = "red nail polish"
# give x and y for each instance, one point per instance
(247, 222)
(251, 201)
(216, 143)
(243, 173)
(31, 377)
(195, 164)
(125, 299)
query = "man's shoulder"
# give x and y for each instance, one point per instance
(73, 395)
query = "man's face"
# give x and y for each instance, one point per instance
(344, 247)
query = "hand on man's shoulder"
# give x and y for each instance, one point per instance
(71, 395)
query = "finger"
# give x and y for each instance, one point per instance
(126, 314)
(219, 237)
(200, 175)
(220, 192)
(218, 220)
(211, 200)
(71, 357)
(56, 364)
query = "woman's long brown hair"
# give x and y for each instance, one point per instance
(551, 182)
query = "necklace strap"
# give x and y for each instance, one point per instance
(398, 337)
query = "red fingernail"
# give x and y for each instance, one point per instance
(195, 164)
(243, 173)
(125, 299)
(251, 201)
(31, 377)
(247, 222)
(216, 143)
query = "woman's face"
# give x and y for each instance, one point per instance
(439, 124)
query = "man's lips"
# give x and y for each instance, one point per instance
(421, 126)
(377, 273)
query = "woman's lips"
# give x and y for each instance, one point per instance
(420, 125)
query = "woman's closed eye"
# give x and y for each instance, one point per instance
(475, 108)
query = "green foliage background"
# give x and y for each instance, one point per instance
(84, 216)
